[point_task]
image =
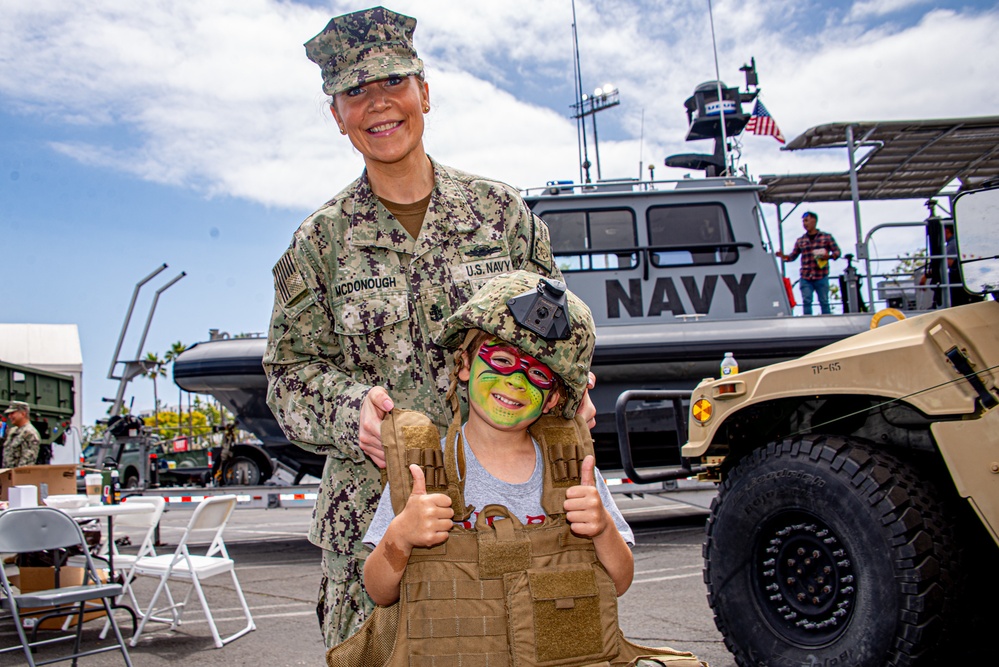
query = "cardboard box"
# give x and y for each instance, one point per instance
(30, 579)
(61, 479)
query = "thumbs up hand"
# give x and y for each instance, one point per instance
(426, 519)
(584, 509)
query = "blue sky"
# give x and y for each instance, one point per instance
(196, 134)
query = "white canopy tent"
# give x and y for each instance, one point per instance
(54, 348)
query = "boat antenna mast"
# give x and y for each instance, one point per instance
(584, 165)
(721, 107)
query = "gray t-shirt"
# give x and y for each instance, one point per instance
(481, 489)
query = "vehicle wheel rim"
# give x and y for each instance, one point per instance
(241, 471)
(807, 582)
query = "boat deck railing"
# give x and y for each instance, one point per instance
(619, 185)
(884, 285)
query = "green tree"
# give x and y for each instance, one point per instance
(173, 424)
(92, 433)
(156, 369)
(168, 358)
(910, 263)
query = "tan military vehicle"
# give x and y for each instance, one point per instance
(857, 481)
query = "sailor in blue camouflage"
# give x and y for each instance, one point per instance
(359, 301)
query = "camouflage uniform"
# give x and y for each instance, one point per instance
(21, 445)
(359, 303)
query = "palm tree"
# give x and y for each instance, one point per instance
(169, 357)
(156, 368)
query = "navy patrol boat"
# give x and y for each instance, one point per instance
(679, 272)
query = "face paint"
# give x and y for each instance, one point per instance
(499, 389)
(506, 359)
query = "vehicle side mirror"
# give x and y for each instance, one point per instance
(976, 216)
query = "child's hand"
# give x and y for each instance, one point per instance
(583, 508)
(426, 519)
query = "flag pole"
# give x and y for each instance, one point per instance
(721, 106)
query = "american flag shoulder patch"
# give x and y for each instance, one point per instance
(288, 281)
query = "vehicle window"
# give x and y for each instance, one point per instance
(593, 240)
(685, 235)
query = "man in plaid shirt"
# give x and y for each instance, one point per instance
(816, 249)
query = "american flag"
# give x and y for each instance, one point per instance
(761, 123)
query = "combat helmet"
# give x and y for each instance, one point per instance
(538, 315)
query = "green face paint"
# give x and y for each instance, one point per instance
(505, 401)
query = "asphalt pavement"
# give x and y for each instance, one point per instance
(279, 572)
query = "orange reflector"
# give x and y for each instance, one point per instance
(701, 410)
(725, 389)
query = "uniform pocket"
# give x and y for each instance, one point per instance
(484, 260)
(376, 338)
(435, 308)
(343, 604)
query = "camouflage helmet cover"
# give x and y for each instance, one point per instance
(487, 310)
(365, 46)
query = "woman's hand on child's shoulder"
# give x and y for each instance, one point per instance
(426, 519)
(584, 510)
(377, 403)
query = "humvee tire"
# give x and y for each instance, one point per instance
(851, 563)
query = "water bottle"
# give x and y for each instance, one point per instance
(115, 487)
(729, 366)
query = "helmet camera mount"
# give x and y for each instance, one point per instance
(543, 310)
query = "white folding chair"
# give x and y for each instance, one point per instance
(212, 514)
(141, 526)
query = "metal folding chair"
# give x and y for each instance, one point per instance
(212, 514)
(33, 529)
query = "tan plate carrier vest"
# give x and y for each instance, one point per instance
(500, 595)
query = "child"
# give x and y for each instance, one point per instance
(508, 390)
(505, 548)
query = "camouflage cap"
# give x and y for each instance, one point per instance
(361, 47)
(487, 310)
(17, 406)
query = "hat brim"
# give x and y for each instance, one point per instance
(369, 72)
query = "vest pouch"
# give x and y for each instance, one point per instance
(562, 615)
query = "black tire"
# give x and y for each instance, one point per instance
(131, 479)
(241, 470)
(821, 550)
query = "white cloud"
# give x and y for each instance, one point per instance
(218, 96)
(878, 8)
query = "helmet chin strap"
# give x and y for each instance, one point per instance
(454, 446)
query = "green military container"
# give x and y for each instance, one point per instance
(50, 396)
